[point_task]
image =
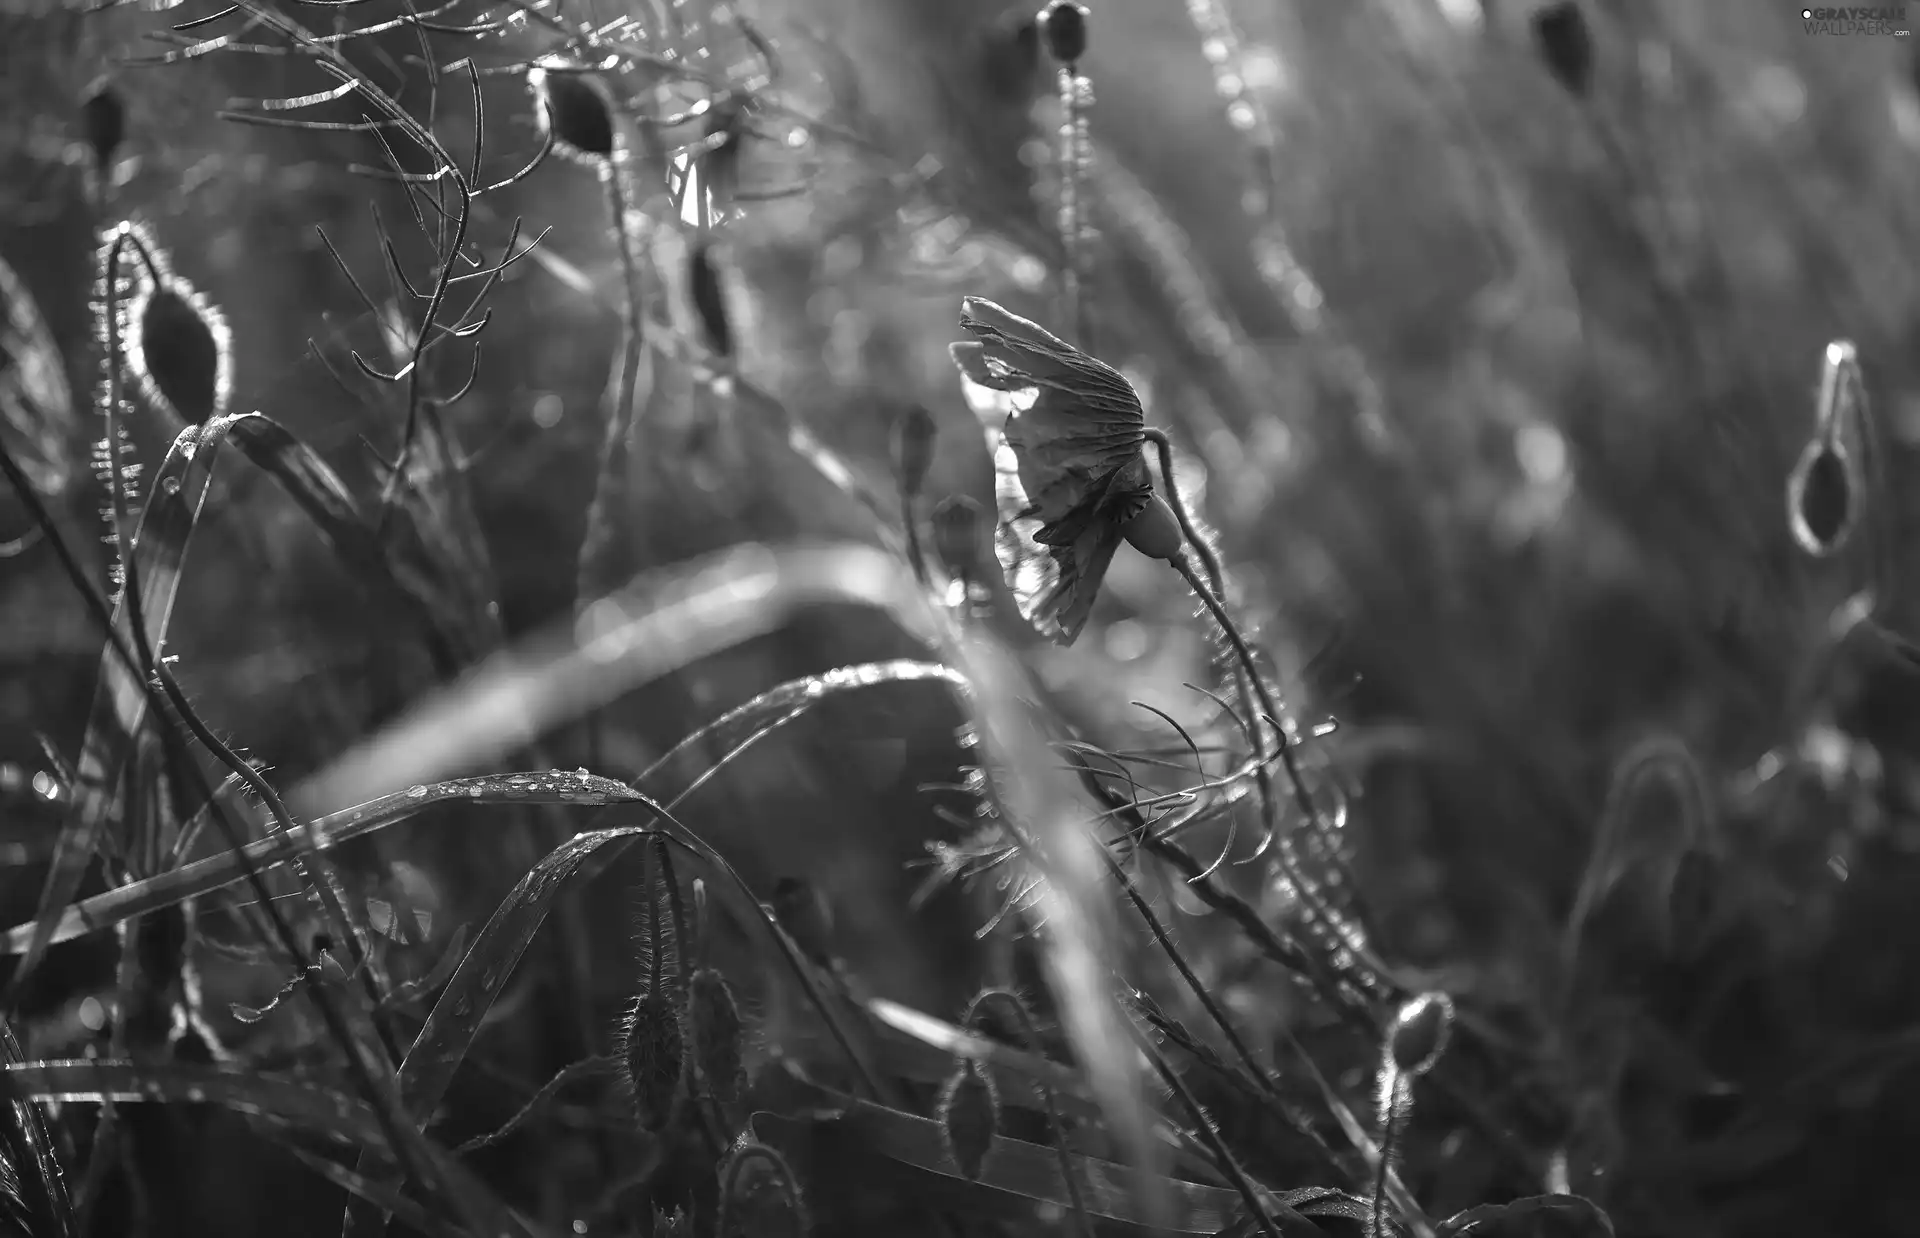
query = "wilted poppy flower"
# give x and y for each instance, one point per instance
(1073, 475)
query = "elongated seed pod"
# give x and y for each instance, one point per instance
(652, 1053)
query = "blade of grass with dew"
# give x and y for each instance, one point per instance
(662, 622)
(119, 708)
(1022, 1170)
(203, 876)
(29, 1149)
(736, 724)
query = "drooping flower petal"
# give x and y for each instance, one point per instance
(1066, 431)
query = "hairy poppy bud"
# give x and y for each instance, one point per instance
(914, 434)
(969, 1117)
(103, 118)
(575, 110)
(1064, 25)
(715, 1022)
(178, 346)
(652, 1057)
(1420, 1033)
(1566, 44)
(759, 1196)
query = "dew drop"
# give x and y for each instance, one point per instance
(416, 792)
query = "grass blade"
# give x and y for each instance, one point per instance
(202, 876)
(663, 621)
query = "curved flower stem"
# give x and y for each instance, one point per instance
(1252, 684)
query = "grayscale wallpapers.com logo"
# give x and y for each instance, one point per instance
(1882, 20)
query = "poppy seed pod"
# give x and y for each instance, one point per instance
(969, 1112)
(1064, 26)
(913, 438)
(103, 118)
(1561, 33)
(1420, 1033)
(574, 109)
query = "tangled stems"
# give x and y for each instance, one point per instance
(1247, 674)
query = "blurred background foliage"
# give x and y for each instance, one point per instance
(1492, 407)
